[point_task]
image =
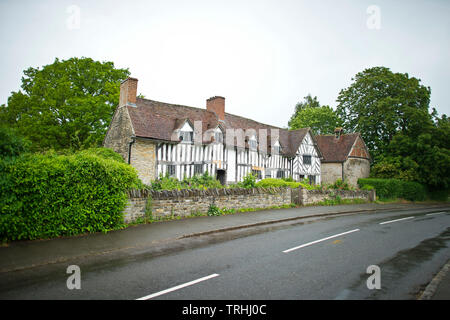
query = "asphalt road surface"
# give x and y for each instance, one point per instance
(312, 259)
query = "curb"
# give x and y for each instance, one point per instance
(431, 288)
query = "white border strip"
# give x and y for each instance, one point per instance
(317, 241)
(436, 213)
(407, 218)
(153, 295)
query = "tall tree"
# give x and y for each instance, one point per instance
(67, 104)
(309, 113)
(380, 103)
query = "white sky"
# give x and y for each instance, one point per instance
(262, 56)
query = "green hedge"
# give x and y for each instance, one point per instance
(48, 195)
(394, 188)
(272, 182)
(203, 181)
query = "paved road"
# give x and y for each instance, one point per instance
(312, 259)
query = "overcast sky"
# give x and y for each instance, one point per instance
(262, 56)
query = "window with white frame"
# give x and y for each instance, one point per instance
(257, 174)
(218, 135)
(186, 136)
(171, 170)
(186, 133)
(198, 169)
(277, 148)
(252, 143)
(280, 174)
(306, 159)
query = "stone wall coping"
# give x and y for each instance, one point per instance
(338, 191)
(186, 193)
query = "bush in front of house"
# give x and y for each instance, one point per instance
(201, 181)
(394, 188)
(272, 182)
(50, 195)
(340, 185)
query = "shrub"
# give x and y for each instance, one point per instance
(272, 182)
(439, 195)
(394, 188)
(249, 181)
(213, 210)
(12, 144)
(105, 153)
(50, 195)
(340, 185)
(413, 191)
(204, 181)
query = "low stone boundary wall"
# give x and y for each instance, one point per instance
(303, 196)
(187, 202)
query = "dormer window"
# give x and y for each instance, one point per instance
(186, 136)
(277, 148)
(218, 136)
(186, 133)
(252, 143)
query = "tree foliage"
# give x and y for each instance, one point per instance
(380, 103)
(67, 104)
(425, 159)
(309, 113)
(12, 144)
(392, 113)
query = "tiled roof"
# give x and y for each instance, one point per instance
(157, 120)
(336, 149)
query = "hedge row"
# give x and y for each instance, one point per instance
(272, 182)
(48, 195)
(394, 188)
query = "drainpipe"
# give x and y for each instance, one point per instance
(342, 164)
(133, 140)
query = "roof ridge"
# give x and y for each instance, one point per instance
(202, 109)
(332, 135)
(264, 124)
(176, 105)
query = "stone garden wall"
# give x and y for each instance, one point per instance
(187, 202)
(303, 196)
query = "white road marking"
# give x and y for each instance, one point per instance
(407, 218)
(317, 241)
(190, 283)
(435, 213)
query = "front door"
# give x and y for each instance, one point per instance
(221, 176)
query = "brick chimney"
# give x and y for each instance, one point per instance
(216, 104)
(338, 132)
(128, 92)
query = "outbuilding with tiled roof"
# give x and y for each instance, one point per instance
(345, 157)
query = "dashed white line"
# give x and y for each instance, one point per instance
(407, 218)
(435, 213)
(320, 240)
(190, 283)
